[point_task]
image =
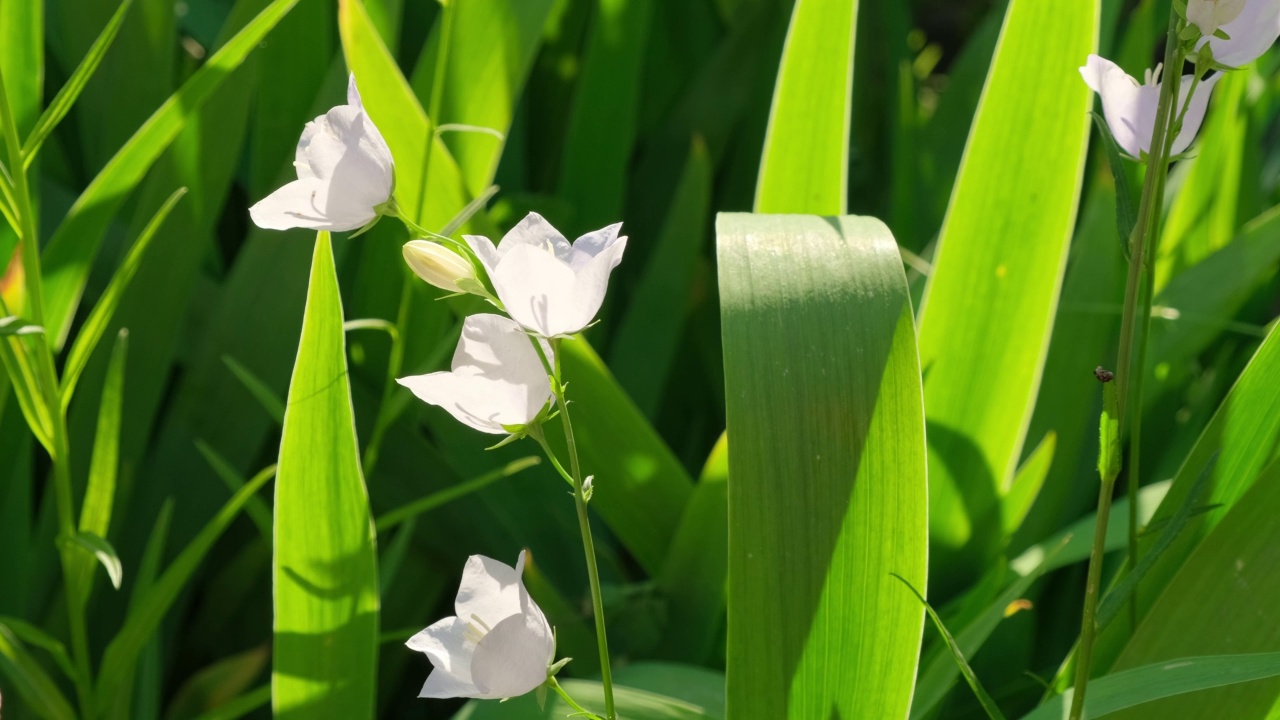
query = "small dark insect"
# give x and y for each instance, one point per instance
(1104, 375)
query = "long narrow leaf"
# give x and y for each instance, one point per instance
(804, 166)
(100, 317)
(325, 565)
(827, 462)
(31, 682)
(66, 97)
(989, 305)
(71, 250)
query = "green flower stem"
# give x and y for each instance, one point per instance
(555, 685)
(1142, 248)
(574, 476)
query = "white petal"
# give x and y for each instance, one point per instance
(490, 590)
(512, 658)
(592, 244)
(1252, 33)
(1195, 111)
(347, 149)
(300, 161)
(535, 231)
(497, 377)
(593, 281)
(484, 249)
(306, 203)
(353, 92)
(441, 684)
(537, 289)
(445, 644)
(1128, 107)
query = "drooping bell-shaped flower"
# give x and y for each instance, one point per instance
(550, 287)
(497, 381)
(499, 645)
(440, 266)
(345, 172)
(1209, 15)
(1252, 32)
(1130, 107)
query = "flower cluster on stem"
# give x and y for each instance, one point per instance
(505, 379)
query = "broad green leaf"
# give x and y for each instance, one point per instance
(603, 123)
(827, 462)
(22, 60)
(30, 681)
(493, 47)
(100, 494)
(990, 302)
(70, 91)
(1177, 677)
(648, 336)
(71, 250)
(96, 324)
(324, 662)
(695, 576)
(804, 166)
(631, 703)
(114, 685)
(1222, 601)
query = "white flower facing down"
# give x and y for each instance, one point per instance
(497, 380)
(1209, 15)
(1130, 107)
(547, 285)
(499, 645)
(1253, 31)
(345, 172)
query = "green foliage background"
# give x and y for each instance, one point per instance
(656, 113)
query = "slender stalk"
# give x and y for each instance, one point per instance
(1141, 247)
(1088, 634)
(555, 685)
(588, 543)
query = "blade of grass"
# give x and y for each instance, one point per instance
(32, 684)
(71, 250)
(66, 97)
(100, 317)
(257, 508)
(261, 392)
(434, 500)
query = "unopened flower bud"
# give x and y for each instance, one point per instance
(439, 265)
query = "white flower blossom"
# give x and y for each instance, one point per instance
(499, 645)
(439, 266)
(345, 172)
(549, 286)
(1209, 15)
(1130, 107)
(1253, 31)
(497, 380)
